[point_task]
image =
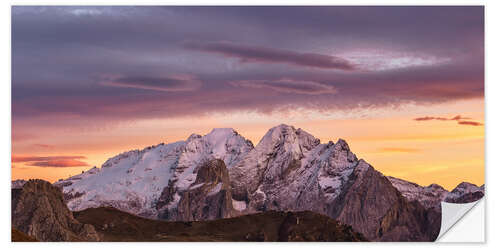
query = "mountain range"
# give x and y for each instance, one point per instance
(223, 175)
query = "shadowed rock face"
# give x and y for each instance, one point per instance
(208, 198)
(38, 210)
(378, 210)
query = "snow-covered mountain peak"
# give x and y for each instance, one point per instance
(466, 186)
(287, 138)
(193, 137)
(224, 132)
(465, 192)
(221, 143)
(429, 196)
(341, 145)
(437, 187)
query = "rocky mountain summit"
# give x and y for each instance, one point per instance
(465, 192)
(39, 211)
(18, 183)
(431, 196)
(222, 174)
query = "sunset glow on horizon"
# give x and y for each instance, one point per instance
(408, 97)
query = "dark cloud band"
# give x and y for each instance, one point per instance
(255, 54)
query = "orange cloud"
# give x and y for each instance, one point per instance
(51, 161)
(399, 150)
(457, 118)
(44, 145)
(428, 118)
(470, 123)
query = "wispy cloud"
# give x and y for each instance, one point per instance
(399, 150)
(428, 118)
(288, 86)
(470, 123)
(41, 145)
(256, 54)
(460, 120)
(173, 83)
(51, 161)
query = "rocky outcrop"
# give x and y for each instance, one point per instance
(378, 210)
(208, 198)
(464, 193)
(19, 183)
(38, 210)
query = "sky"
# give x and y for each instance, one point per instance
(404, 86)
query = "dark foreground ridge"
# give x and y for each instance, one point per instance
(40, 214)
(115, 225)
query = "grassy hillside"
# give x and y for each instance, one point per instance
(115, 225)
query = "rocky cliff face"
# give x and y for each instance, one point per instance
(38, 210)
(376, 209)
(207, 198)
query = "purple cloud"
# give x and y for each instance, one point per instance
(256, 54)
(288, 86)
(171, 83)
(142, 46)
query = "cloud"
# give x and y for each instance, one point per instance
(428, 118)
(171, 83)
(59, 163)
(399, 150)
(51, 161)
(89, 46)
(43, 145)
(257, 54)
(457, 118)
(288, 86)
(470, 123)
